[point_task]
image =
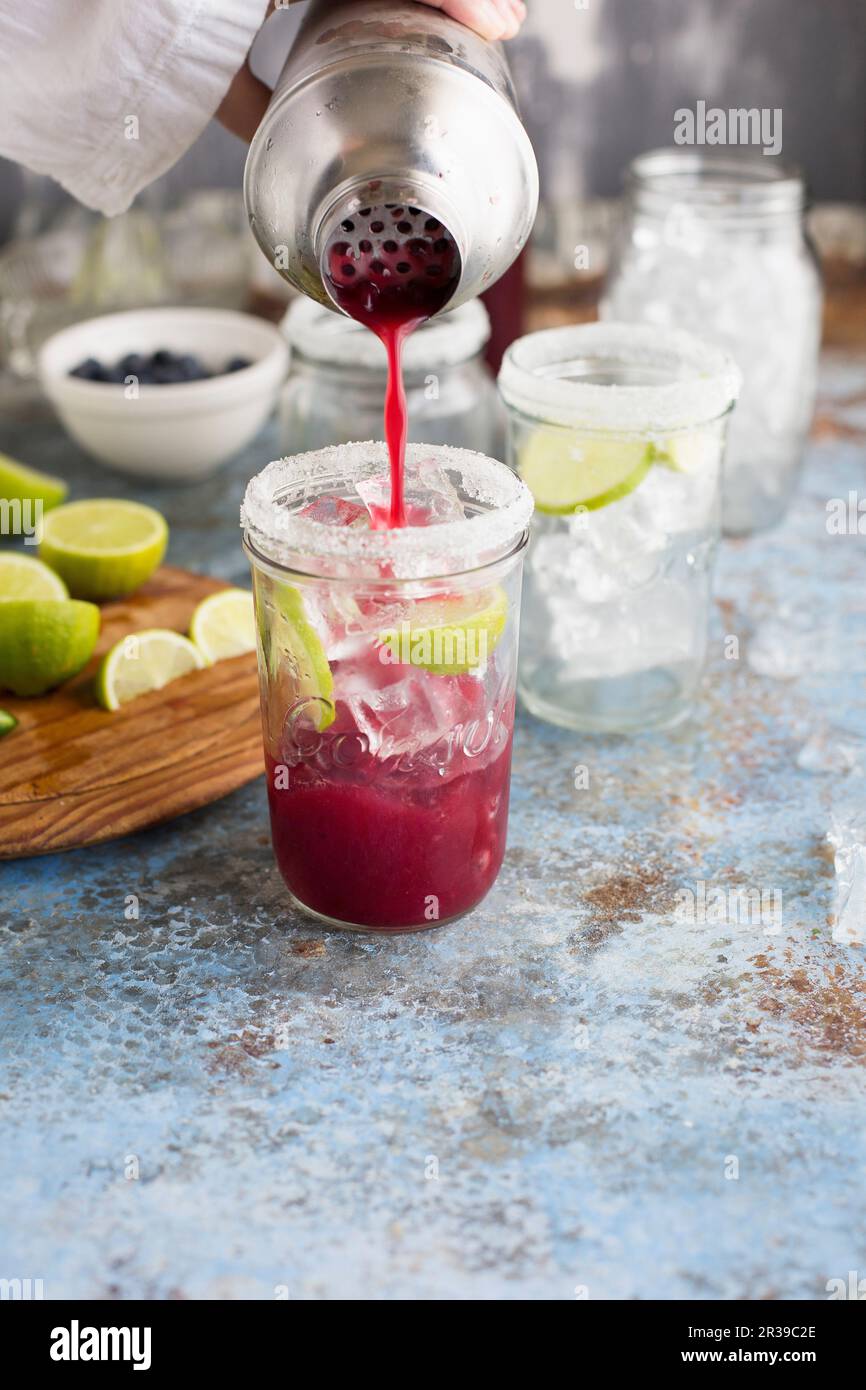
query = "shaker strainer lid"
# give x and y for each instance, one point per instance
(322, 335)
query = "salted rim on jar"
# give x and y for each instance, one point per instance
(321, 334)
(282, 536)
(728, 181)
(704, 381)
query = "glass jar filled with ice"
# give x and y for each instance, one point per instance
(715, 242)
(619, 432)
(387, 663)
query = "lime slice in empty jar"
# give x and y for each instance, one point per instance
(688, 452)
(566, 472)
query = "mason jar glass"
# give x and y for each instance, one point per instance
(619, 432)
(339, 370)
(387, 663)
(715, 242)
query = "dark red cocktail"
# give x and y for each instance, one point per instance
(387, 662)
(382, 846)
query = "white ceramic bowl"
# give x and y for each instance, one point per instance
(180, 431)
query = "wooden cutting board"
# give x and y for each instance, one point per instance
(73, 774)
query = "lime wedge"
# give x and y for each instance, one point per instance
(144, 661)
(564, 471)
(8, 722)
(103, 549)
(44, 642)
(19, 481)
(24, 577)
(453, 636)
(290, 644)
(224, 625)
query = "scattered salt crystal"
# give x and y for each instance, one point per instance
(832, 750)
(847, 835)
(791, 644)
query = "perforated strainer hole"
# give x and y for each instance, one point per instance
(393, 250)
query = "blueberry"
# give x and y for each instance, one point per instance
(191, 368)
(163, 357)
(133, 364)
(237, 364)
(89, 370)
(166, 374)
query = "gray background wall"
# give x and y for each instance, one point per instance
(600, 83)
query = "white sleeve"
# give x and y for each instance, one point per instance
(105, 95)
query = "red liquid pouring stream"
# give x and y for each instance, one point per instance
(392, 268)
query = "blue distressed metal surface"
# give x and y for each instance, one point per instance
(549, 1095)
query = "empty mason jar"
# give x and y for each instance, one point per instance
(716, 243)
(336, 386)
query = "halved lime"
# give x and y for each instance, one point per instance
(144, 661)
(44, 642)
(453, 636)
(23, 576)
(224, 625)
(8, 722)
(104, 549)
(565, 471)
(290, 641)
(19, 481)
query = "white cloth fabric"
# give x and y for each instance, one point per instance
(105, 95)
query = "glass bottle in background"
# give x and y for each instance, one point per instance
(715, 242)
(338, 376)
(387, 663)
(505, 303)
(619, 432)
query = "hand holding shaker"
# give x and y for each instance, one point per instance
(384, 107)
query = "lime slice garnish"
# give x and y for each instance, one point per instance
(8, 722)
(103, 549)
(144, 661)
(687, 453)
(24, 577)
(565, 471)
(44, 642)
(289, 641)
(450, 637)
(224, 625)
(19, 481)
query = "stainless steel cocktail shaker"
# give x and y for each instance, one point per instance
(391, 103)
